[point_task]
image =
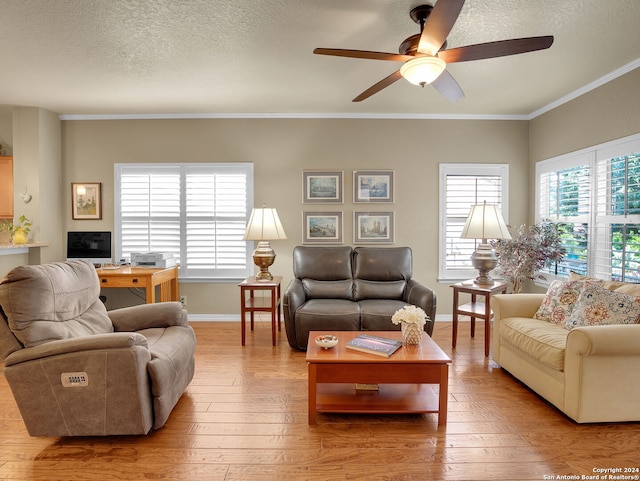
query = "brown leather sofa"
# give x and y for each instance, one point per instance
(345, 289)
(76, 369)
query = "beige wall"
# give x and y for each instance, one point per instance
(280, 149)
(609, 112)
(37, 170)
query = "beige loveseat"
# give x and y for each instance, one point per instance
(76, 369)
(588, 372)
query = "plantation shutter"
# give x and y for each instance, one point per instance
(565, 198)
(197, 212)
(617, 220)
(462, 186)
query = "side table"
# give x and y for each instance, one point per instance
(475, 309)
(252, 304)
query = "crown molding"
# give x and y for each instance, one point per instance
(375, 116)
(625, 69)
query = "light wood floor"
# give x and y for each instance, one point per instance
(244, 417)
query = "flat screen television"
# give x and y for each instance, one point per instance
(94, 247)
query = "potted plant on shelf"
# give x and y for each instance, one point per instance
(19, 230)
(529, 250)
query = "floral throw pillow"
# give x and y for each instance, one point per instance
(599, 307)
(560, 299)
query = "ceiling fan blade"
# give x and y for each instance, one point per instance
(499, 48)
(438, 25)
(366, 54)
(385, 82)
(448, 87)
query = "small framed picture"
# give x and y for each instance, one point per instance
(86, 200)
(322, 187)
(322, 227)
(373, 186)
(373, 228)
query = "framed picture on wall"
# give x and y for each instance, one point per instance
(322, 227)
(373, 228)
(86, 200)
(373, 186)
(322, 187)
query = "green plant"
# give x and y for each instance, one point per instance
(22, 224)
(529, 250)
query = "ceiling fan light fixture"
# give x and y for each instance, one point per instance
(422, 70)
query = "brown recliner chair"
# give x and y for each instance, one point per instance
(76, 369)
(345, 289)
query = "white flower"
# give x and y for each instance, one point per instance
(410, 315)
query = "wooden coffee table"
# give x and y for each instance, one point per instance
(402, 378)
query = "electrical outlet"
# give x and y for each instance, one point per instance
(183, 301)
(74, 379)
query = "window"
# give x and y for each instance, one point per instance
(565, 199)
(197, 212)
(461, 186)
(595, 195)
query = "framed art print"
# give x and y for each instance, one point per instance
(373, 186)
(322, 187)
(322, 227)
(373, 227)
(86, 200)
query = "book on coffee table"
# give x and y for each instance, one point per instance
(380, 346)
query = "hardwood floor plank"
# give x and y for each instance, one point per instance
(244, 417)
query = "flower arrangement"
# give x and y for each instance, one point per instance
(528, 251)
(412, 320)
(410, 315)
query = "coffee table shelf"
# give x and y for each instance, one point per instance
(413, 380)
(405, 398)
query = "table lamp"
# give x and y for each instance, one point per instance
(264, 225)
(484, 222)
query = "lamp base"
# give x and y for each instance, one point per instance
(263, 257)
(484, 259)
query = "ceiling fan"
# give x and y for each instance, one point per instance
(425, 55)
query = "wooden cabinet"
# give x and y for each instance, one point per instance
(6, 187)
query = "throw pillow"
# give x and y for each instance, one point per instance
(630, 289)
(599, 307)
(558, 303)
(611, 285)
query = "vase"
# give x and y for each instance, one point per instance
(19, 237)
(411, 334)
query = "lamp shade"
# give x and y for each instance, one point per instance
(422, 70)
(485, 222)
(264, 224)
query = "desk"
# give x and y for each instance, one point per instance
(145, 277)
(475, 309)
(253, 304)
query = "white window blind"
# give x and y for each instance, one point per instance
(564, 198)
(594, 195)
(461, 186)
(617, 220)
(197, 212)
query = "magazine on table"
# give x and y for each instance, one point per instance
(380, 346)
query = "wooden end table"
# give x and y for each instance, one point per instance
(475, 309)
(402, 378)
(252, 304)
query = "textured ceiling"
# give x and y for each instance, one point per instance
(255, 57)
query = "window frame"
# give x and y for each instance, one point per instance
(185, 274)
(446, 274)
(599, 223)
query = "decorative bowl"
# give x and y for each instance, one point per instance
(326, 341)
